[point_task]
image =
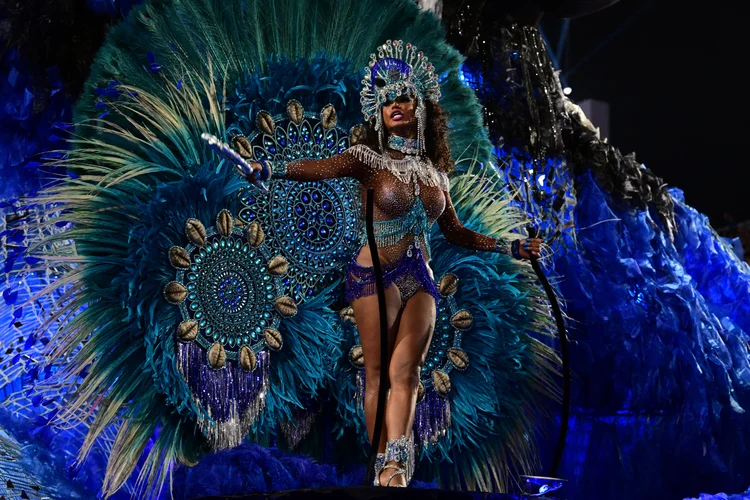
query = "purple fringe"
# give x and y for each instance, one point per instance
(225, 393)
(432, 418)
(360, 280)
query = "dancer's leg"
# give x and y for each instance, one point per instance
(367, 316)
(415, 329)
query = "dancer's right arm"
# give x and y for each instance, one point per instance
(342, 165)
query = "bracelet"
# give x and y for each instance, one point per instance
(514, 249)
(265, 169)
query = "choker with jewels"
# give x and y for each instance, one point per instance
(404, 145)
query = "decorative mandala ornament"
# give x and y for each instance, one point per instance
(227, 285)
(315, 226)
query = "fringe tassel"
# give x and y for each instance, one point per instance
(432, 418)
(407, 170)
(231, 397)
(359, 395)
(296, 430)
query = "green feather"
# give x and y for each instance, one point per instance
(142, 169)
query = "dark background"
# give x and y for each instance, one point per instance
(674, 77)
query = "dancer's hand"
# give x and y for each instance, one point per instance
(530, 248)
(252, 176)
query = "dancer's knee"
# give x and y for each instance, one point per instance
(405, 375)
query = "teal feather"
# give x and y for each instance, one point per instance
(343, 390)
(302, 367)
(143, 170)
(497, 401)
(236, 38)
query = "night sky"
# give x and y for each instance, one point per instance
(674, 80)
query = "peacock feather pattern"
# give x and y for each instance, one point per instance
(159, 223)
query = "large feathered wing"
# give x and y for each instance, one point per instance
(182, 326)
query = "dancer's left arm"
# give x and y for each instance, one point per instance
(457, 234)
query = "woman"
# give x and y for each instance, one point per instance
(407, 166)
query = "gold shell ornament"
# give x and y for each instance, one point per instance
(278, 265)
(357, 357)
(242, 146)
(328, 116)
(217, 356)
(273, 339)
(179, 258)
(187, 331)
(459, 358)
(295, 111)
(462, 319)
(286, 306)
(175, 293)
(196, 232)
(255, 235)
(448, 284)
(357, 134)
(265, 122)
(441, 381)
(347, 314)
(224, 223)
(420, 392)
(248, 361)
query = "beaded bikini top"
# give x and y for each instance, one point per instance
(409, 170)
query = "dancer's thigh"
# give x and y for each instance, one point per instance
(367, 316)
(415, 329)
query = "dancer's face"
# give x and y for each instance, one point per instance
(399, 116)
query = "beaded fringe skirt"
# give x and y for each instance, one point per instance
(409, 272)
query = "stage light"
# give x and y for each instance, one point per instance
(567, 91)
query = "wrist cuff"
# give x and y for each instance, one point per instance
(514, 249)
(265, 170)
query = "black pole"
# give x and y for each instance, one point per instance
(563, 335)
(384, 359)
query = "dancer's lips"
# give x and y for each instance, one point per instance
(396, 115)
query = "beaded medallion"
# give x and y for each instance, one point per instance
(316, 226)
(227, 287)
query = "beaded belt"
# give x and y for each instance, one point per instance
(409, 272)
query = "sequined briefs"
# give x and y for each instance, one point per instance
(409, 272)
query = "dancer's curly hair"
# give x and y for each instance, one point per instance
(436, 136)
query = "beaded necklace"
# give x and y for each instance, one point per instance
(403, 144)
(411, 169)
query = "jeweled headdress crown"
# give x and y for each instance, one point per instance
(395, 70)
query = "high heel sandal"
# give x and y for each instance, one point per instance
(400, 471)
(379, 465)
(400, 451)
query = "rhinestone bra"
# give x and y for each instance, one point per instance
(413, 223)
